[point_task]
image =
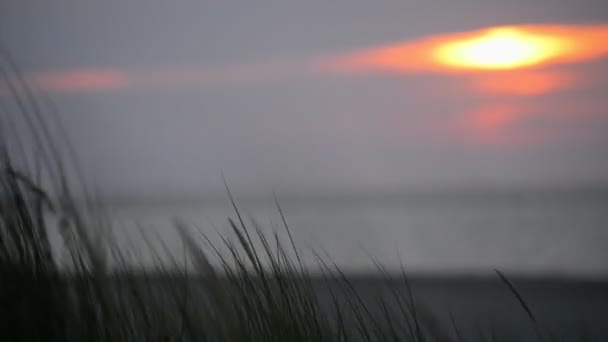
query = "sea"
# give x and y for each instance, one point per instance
(540, 233)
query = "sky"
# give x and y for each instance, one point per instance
(163, 97)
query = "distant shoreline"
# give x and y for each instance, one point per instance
(418, 278)
(413, 195)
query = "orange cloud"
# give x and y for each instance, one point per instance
(496, 48)
(524, 82)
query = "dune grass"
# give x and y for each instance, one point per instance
(260, 292)
(257, 295)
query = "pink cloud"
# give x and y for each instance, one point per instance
(80, 80)
(517, 123)
(107, 79)
(494, 124)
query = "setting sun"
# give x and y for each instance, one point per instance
(500, 48)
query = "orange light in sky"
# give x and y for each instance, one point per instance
(495, 48)
(501, 48)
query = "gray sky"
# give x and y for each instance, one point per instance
(160, 97)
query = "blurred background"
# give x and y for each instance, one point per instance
(374, 145)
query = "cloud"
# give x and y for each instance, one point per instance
(96, 79)
(488, 124)
(524, 83)
(80, 80)
(492, 117)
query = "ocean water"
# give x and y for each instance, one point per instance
(522, 233)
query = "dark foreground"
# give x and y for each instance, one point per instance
(568, 310)
(451, 308)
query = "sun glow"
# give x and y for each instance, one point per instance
(501, 48)
(490, 49)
